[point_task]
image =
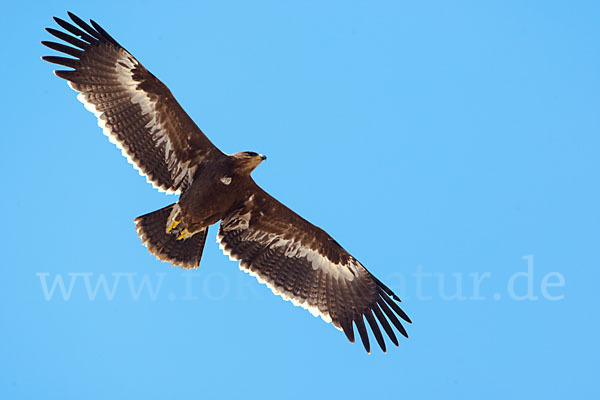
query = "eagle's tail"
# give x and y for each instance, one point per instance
(152, 229)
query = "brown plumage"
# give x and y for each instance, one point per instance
(296, 259)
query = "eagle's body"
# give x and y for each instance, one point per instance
(216, 188)
(296, 259)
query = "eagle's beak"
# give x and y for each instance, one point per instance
(262, 157)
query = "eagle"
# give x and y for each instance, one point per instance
(297, 260)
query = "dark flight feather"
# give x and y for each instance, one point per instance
(68, 38)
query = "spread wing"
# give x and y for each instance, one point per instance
(303, 264)
(135, 110)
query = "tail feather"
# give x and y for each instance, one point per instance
(152, 229)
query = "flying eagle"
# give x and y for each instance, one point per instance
(294, 258)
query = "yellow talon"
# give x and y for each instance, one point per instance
(173, 225)
(184, 234)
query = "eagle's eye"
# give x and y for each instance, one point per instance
(251, 154)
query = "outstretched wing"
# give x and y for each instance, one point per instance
(135, 110)
(303, 264)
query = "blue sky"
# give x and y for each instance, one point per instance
(452, 147)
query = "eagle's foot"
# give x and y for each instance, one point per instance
(184, 234)
(173, 225)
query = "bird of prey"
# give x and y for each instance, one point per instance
(294, 258)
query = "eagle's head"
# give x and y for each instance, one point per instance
(246, 161)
